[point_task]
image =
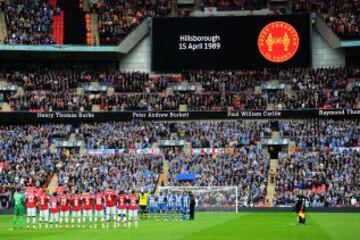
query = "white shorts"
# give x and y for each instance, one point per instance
(54, 216)
(110, 210)
(133, 214)
(121, 211)
(88, 213)
(44, 213)
(64, 214)
(31, 212)
(76, 214)
(99, 213)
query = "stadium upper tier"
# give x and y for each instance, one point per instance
(116, 19)
(321, 157)
(36, 22)
(202, 90)
(343, 16)
(29, 22)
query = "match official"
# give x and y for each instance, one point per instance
(192, 206)
(300, 209)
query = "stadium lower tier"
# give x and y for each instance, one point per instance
(268, 162)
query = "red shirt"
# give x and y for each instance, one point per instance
(59, 189)
(30, 200)
(88, 201)
(133, 202)
(110, 198)
(54, 205)
(43, 201)
(122, 201)
(64, 202)
(38, 192)
(76, 203)
(30, 190)
(99, 201)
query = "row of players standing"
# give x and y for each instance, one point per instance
(102, 207)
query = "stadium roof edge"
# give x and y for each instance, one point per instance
(60, 48)
(350, 43)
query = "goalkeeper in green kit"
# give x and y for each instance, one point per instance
(19, 204)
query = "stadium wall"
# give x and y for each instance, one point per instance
(289, 209)
(139, 58)
(280, 209)
(283, 209)
(82, 117)
(323, 55)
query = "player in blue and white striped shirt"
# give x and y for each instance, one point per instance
(179, 206)
(153, 206)
(186, 204)
(170, 205)
(161, 199)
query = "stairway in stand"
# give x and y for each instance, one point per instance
(3, 28)
(58, 28)
(74, 22)
(271, 183)
(53, 184)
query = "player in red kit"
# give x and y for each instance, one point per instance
(76, 208)
(88, 199)
(54, 210)
(64, 208)
(110, 200)
(99, 208)
(31, 208)
(122, 207)
(133, 209)
(44, 208)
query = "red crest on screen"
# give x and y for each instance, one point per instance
(278, 42)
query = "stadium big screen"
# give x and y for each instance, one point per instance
(231, 42)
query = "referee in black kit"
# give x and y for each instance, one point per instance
(192, 206)
(300, 209)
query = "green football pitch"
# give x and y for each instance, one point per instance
(207, 226)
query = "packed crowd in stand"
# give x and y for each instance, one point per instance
(302, 88)
(116, 19)
(325, 178)
(130, 135)
(245, 168)
(128, 171)
(233, 5)
(318, 166)
(322, 135)
(224, 134)
(25, 155)
(342, 16)
(29, 22)
(46, 80)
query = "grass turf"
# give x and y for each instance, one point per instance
(208, 226)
